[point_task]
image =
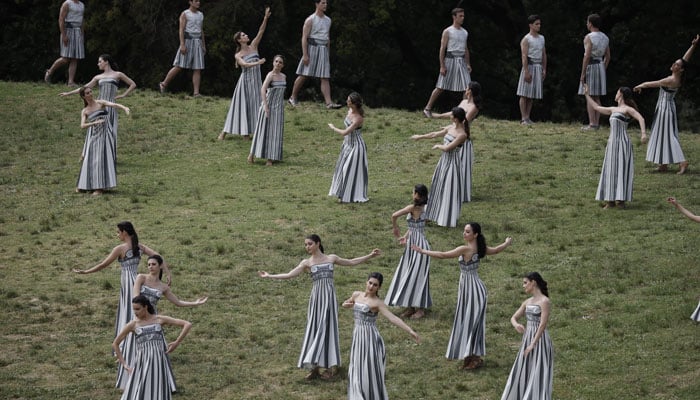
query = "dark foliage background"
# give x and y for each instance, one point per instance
(384, 49)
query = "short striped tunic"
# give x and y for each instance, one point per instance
(129, 268)
(531, 375)
(194, 57)
(468, 335)
(149, 380)
(367, 357)
(319, 65)
(72, 27)
(98, 170)
(457, 77)
(349, 182)
(532, 89)
(321, 340)
(410, 286)
(269, 130)
(595, 70)
(446, 193)
(664, 146)
(617, 175)
(245, 103)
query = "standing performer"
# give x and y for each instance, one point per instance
(320, 348)
(468, 337)
(455, 66)
(269, 130)
(367, 353)
(596, 57)
(664, 147)
(410, 286)
(246, 97)
(696, 314)
(445, 203)
(532, 372)
(190, 55)
(617, 175)
(315, 47)
(349, 182)
(70, 23)
(533, 57)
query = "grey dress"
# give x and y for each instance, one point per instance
(367, 357)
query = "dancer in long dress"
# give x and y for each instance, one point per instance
(129, 255)
(349, 182)
(190, 54)
(320, 348)
(533, 58)
(447, 185)
(664, 146)
(72, 44)
(149, 369)
(696, 314)
(410, 286)
(531, 375)
(596, 58)
(245, 103)
(98, 170)
(269, 130)
(367, 353)
(467, 340)
(108, 82)
(617, 175)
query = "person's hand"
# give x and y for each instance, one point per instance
(402, 240)
(261, 61)
(263, 274)
(172, 346)
(267, 110)
(509, 240)
(644, 138)
(415, 337)
(469, 68)
(63, 94)
(528, 349)
(267, 12)
(443, 71)
(183, 49)
(437, 146)
(519, 328)
(305, 60)
(672, 200)
(82, 271)
(415, 137)
(695, 40)
(585, 87)
(395, 231)
(127, 110)
(528, 76)
(64, 38)
(202, 300)
(544, 74)
(375, 253)
(416, 249)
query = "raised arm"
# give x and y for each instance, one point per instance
(261, 30)
(691, 49)
(384, 310)
(291, 274)
(500, 247)
(683, 210)
(593, 104)
(354, 261)
(356, 123)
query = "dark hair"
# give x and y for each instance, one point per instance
(475, 88)
(378, 276)
(128, 227)
(356, 100)
(627, 96)
(316, 239)
(422, 191)
(237, 36)
(480, 239)
(159, 260)
(110, 61)
(533, 18)
(143, 300)
(460, 114)
(456, 11)
(595, 20)
(82, 94)
(541, 283)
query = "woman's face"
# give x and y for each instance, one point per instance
(677, 66)
(277, 64)
(122, 235)
(140, 311)
(373, 285)
(243, 38)
(101, 64)
(310, 246)
(528, 285)
(468, 233)
(153, 266)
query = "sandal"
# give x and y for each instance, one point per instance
(420, 313)
(409, 311)
(467, 361)
(312, 375)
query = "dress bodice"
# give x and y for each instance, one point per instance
(152, 294)
(130, 262)
(251, 58)
(96, 115)
(417, 225)
(353, 136)
(619, 121)
(469, 266)
(152, 333)
(322, 271)
(108, 89)
(667, 93)
(533, 313)
(363, 314)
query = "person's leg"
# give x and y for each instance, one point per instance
(298, 84)
(60, 61)
(326, 90)
(169, 77)
(196, 79)
(593, 115)
(433, 97)
(72, 67)
(524, 112)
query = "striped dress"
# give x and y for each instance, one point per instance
(467, 157)
(469, 326)
(129, 268)
(321, 340)
(531, 376)
(410, 286)
(108, 91)
(349, 182)
(367, 357)
(446, 193)
(267, 142)
(595, 70)
(617, 176)
(72, 26)
(98, 170)
(664, 146)
(245, 103)
(194, 57)
(149, 380)
(696, 314)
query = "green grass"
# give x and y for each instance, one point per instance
(623, 282)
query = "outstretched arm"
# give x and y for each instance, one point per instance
(113, 255)
(291, 274)
(181, 303)
(263, 25)
(593, 104)
(500, 247)
(683, 210)
(354, 261)
(691, 49)
(384, 310)
(454, 253)
(431, 135)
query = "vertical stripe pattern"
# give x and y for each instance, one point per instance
(149, 380)
(269, 130)
(98, 169)
(410, 286)
(193, 58)
(596, 79)
(467, 157)
(664, 146)
(617, 175)
(533, 89)
(245, 103)
(457, 77)
(367, 358)
(129, 268)
(468, 335)
(76, 44)
(319, 63)
(350, 177)
(696, 314)
(108, 91)
(445, 200)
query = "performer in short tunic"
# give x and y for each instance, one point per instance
(319, 65)
(268, 139)
(457, 78)
(98, 170)
(73, 28)
(367, 357)
(129, 269)
(617, 176)
(664, 146)
(595, 71)
(350, 176)
(469, 326)
(445, 202)
(194, 57)
(245, 103)
(531, 375)
(535, 58)
(150, 379)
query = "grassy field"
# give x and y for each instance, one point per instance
(623, 283)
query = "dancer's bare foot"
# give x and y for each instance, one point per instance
(97, 192)
(408, 312)
(222, 136)
(683, 167)
(420, 313)
(609, 204)
(161, 87)
(312, 375)
(250, 158)
(269, 163)
(662, 168)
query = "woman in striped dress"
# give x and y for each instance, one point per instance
(617, 175)
(98, 170)
(467, 340)
(447, 186)
(531, 375)
(269, 130)
(245, 103)
(349, 182)
(664, 147)
(367, 353)
(148, 371)
(320, 348)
